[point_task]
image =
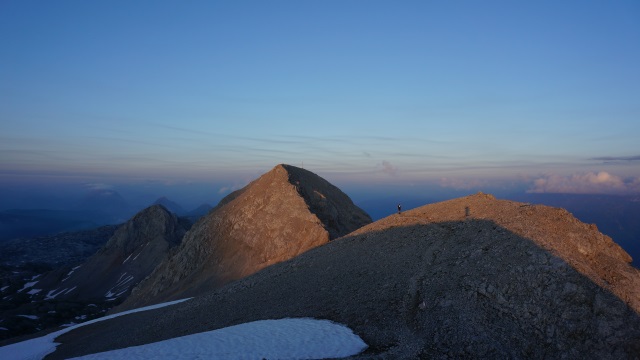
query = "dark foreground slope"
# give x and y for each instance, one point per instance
(284, 213)
(507, 281)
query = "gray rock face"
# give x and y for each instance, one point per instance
(508, 280)
(284, 213)
(135, 249)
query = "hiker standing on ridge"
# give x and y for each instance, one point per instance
(399, 209)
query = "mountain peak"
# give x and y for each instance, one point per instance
(146, 225)
(282, 214)
(133, 251)
(170, 205)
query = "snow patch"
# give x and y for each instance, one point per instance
(4, 288)
(40, 347)
(126, 280)
(52, 294)
(267, 339)
(3, 328)
(141, 248)
(121, 292)
(28, 285)
(70, 290)
(71, 272)
(120, 287)
(32, 317)
(34, 291)
(127, 259)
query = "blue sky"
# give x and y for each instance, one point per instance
(464, 94)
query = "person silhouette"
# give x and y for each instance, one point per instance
(399, 208)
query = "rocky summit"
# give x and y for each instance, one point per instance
(282, 214)
(134, 250)
(473, 277)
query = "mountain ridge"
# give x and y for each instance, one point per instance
(283, 213)
(133, 251)
(468, 277)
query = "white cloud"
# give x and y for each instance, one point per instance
(98, 186)
(230, 188)
(585, 183)
(462, 184)
(388, 168)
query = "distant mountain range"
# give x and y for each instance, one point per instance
(97, 208)
(494, 278)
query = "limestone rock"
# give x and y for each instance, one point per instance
(284, 213)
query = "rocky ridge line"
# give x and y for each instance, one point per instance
(472, 277)
(282, 214)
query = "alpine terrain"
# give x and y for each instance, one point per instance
(472, 277)
(278, 216)
(103, 280)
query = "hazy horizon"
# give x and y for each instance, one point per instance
(414, 99)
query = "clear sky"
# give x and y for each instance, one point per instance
(459, 94)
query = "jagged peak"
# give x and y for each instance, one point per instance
(152, 210)
(152, 220)
(291, 170)
(326, 201)
(284, 212)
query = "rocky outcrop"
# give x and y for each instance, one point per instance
(134, 250)
(473, 277)
(284, 213)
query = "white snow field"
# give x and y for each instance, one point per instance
(38, 348)
(302, 338)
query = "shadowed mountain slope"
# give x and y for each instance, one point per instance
(284, 213)
(171, 206)
(507, 281)
(135, 249)
(87, 288)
